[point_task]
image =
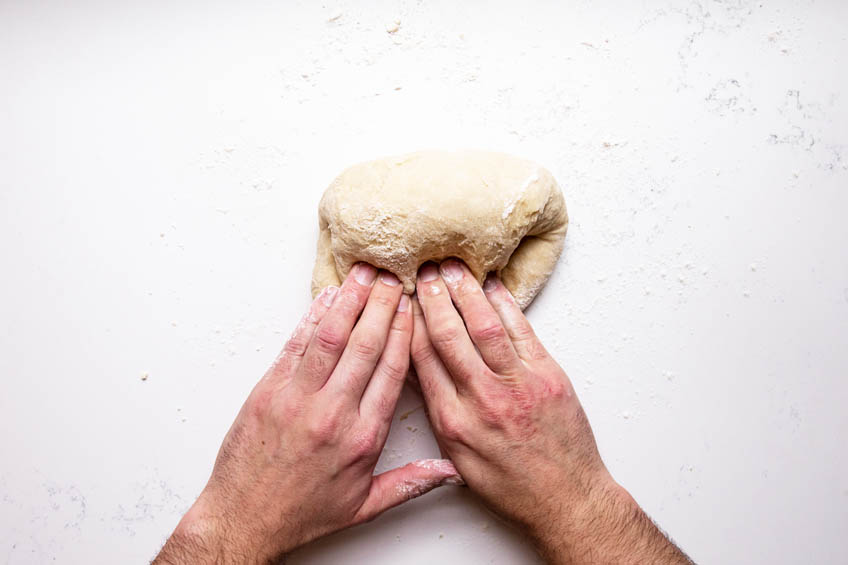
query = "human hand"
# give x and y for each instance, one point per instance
(507, 415)
(298, 461)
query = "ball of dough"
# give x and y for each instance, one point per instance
(494, 211)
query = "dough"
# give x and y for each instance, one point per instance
(494, 211)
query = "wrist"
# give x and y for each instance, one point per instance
(608, 526)
(207, 535)
(583, 524)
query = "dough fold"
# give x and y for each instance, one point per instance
(494, 211)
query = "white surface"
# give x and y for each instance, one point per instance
(160, 168)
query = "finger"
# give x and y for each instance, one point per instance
(368, 339)
(433, 377)
(292, 353)
(482, 322)
(395, 487)
(381, 395)
(446, 330)
(330, 337)
(524, 339)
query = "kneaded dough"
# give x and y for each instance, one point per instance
(494, 211)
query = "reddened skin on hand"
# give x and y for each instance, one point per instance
(507, 415)
(298, 461)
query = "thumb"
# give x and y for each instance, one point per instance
(395, 487)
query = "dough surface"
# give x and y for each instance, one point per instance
(494, 211)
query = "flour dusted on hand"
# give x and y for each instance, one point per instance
(494, 211)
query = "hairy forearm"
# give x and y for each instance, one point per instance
(182, 549)
(203, 540)
(608, 527)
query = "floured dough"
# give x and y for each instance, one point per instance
(495, 212)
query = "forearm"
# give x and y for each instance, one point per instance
(199, 538)
(183, 549)
(607, 527)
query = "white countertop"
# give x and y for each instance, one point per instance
(160, 169)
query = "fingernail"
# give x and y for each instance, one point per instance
(328, 295)
(451, 271)
(403, 305)
(364, 274)
(428, 272)
(455, 480)
(491, 282)
(388, 278)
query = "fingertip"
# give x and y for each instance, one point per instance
(443, 469)
(451, 271)
(491, 283)
(428, 272)
(388, 278)
(364, 274)
(495, 289)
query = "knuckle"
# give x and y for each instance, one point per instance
(445, 335)
(536, 350)
(320, 434)
(500, 355)
(555, 389)
(329, 339)
(366, 347)
(296, 346)
(395, 368)
(489, 332)
(450, 427)
(523, 332)
(364, 446)
(422, 352)
(527, 337)
(323, 428)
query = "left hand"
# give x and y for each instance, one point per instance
(298, 461)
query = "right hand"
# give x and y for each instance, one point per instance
(507, 415)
